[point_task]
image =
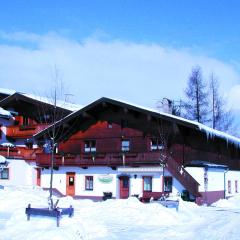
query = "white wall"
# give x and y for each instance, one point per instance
(135, 185)
(20, 173)
(215, 178)
(59, 180)
(177, 186)
(232, 176)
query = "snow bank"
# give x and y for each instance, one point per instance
(233, 203)
(111, 220)
(2, 159)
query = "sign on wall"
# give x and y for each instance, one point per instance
(105, 178)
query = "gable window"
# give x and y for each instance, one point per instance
(125, 145)
(89, 183)
(90, 146)
(168, 181)
(229, 187)
(147, 184)
(4, 174)
(156, 144)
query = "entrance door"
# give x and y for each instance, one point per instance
(124, 186)
(70, 186)
(38, 176)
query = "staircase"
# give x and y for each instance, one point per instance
(183, 176)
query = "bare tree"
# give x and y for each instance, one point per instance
(221, 118)
(196, 94)
(50, 111)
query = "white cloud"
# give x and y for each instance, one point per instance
(91, 68)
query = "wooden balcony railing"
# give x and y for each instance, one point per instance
(121, 159)
(21, 131)
(99, 159)
(19, 153)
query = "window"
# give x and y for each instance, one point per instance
(125, 145)
(4, 174)
(156, 144)
(90, 146)
(109, 125)
(229, 187)
(147, 184)
(168, 184)
(89, 183)
(236, 186)
(25, 121)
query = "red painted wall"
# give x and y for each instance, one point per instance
(107, 139)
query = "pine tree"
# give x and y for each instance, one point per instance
(197, 95)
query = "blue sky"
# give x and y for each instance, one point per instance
(211, 26)
(134, 50)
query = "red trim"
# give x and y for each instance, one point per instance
(229, 186)
(209, 197)
(70, 189)
(38, 176)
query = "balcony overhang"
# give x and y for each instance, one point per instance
(140, 169)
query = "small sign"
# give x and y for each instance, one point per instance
(105, 178)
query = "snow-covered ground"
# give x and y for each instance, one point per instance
(116, 219)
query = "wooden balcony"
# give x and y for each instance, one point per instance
(99, 159)
(19, 153)
(21, 131)
(121, 159)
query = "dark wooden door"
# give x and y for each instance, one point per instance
(70, 184)
(124, 186)
(38, 176)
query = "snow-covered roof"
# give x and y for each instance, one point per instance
(59, 103)
(7, 144)
(5, 114)
(210, 132)
(7, 91)
(200, 163)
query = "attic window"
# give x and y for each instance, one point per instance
(156, 144)
(90, 146)
(125, 145)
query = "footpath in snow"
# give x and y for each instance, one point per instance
(116, 219)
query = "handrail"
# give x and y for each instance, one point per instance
(183, 176)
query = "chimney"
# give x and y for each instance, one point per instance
(166, 106)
